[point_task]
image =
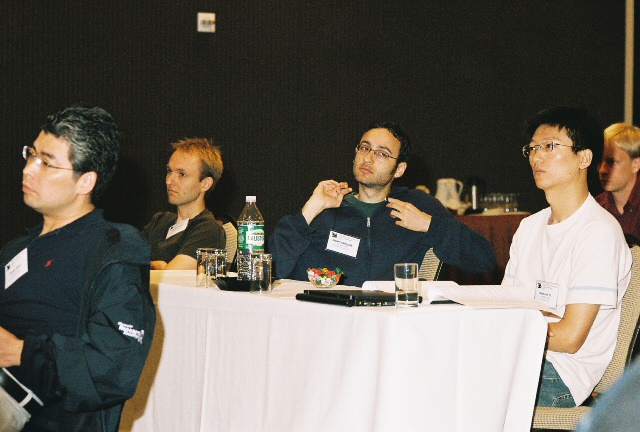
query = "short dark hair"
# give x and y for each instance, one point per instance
(399, 134)
(580, 126)
(93, 141)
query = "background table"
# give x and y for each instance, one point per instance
(229, 361)
(499, 229)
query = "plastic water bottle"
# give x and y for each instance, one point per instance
(250, 236)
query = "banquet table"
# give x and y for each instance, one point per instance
(236, 361)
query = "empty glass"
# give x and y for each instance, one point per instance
(201, 269)
(211, 265)
(260, 273)
(216, 265)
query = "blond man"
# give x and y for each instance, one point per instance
(192, 172)
(618, 175)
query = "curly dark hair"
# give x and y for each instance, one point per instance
(93, 141)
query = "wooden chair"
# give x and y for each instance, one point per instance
(430, 267)
(567, 418)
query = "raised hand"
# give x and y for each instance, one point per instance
(328, 194)
(408, 216)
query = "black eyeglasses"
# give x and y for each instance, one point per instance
(29, 154)
(529, 150)
(380, 154)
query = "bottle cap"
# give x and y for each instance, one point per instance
(251, 198)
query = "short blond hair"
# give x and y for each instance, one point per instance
(625, 136)
(209, 154)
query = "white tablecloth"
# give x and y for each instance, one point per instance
(234, 361)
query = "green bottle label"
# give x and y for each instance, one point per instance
(251, 238)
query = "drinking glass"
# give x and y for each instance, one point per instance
(260, 273)
(406, 277)
(216, 265)
(202, 255)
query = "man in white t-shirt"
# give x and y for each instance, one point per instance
(572, 255)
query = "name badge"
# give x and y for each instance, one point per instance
(177, 228)
(343, 244)
(15, 268)
(547, 293)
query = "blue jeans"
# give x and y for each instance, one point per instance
(553, 392)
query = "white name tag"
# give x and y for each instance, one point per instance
(179, 227)
(18, 266)
(343, 244)
(547, 293)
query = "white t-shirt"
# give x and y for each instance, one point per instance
(583, 259)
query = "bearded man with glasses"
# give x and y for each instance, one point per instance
(367, 232)
(571, 255)
(76, 315)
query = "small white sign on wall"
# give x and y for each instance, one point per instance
(206, 22)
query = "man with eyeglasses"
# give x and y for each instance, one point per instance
(366, 233)
(76, 315)
(572, 255)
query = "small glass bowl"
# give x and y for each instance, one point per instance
(323, 278)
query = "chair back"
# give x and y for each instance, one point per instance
(430, 267)
(627, 331)
(232, 243)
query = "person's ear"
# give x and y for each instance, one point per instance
(206, 184)
(86, 183)
(400, 169)
(586, 158)
(635, 165)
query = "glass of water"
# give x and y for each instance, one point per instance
(407, 290)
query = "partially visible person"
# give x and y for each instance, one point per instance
(619, 174)
(195, 167)
(571, 255)
(76, 315)
(617, 409)
(366, 233)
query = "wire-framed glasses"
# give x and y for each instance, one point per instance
(364, 149)
(548, 147)
(29, 155)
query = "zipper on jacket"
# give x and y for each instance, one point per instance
(368, 247)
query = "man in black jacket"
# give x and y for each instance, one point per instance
(76, 316)
(365, 233)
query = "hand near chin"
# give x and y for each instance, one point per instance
(408, 216)
(328, 194)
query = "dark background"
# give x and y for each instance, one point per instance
(287, 87)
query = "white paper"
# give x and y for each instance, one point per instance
(343, 244)
(475, 296)
(177, 228)
(493, 297)
(428, 289)
(15, 268)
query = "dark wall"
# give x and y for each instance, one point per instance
(286, 88)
